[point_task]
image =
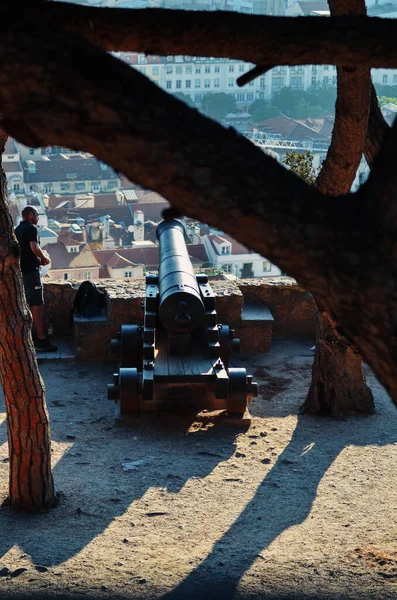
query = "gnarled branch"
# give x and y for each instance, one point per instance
(262, 40)
(53, 91)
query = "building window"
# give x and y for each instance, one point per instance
(231, 68)
(31, 151)
(87, 275)
(155, 70)
(240, 97)
(262, 82)
(178, 84)
(325, 80)
(278, 82)
(207, 69)
(197, 83)
(267, 266)
(197, 70)
(207, 83)
(16, 187)
(230, 82)
(72, 249)
(296, 81)
(241, 68)
(250, 97)
(48, 188)
(111, 184)
(326, 67)
(313, 81)
(394, 78)
(142, 70)
(65, 187)
(188, 83)
(127, 273)
(217, 83)
(314, 68)
(334, 79)
(96, 187)
(217, 69)
(197, 98)
(67, 276)
(80, 186)
(178, 70)
(168, 69)
(142, 59)
(168, 84)
(227, 268)
(225, 249)
(188, 70)
(384, 79)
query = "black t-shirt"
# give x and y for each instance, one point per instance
(27, 232)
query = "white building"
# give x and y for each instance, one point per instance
(233, 258)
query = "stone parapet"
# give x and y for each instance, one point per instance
(293, 310)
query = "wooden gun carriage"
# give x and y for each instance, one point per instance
(179, 358)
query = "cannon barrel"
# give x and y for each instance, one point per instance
(180, 305)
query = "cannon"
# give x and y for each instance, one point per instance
(179, 358)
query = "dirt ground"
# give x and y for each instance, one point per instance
(189, 506)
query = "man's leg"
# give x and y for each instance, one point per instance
(38, 322)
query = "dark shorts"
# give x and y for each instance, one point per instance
(33, 288)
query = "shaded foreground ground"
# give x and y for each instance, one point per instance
(192, 507)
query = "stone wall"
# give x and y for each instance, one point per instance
(292, 307)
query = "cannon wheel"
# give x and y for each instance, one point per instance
(237, 399)
(129, 391)
(130, 346)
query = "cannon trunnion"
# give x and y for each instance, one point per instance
(179, 358)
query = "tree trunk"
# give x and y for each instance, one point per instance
(31, 484)
(338, 385)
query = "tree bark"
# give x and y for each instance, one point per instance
(262, 40)
(338, 386)
(377, 130)
(31, 486)
(210, 173)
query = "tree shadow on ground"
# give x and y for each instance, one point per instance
(278, 504)
(89, 503)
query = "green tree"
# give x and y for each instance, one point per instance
(383, 89)
(256, 105)
(302, 164)
(384, 100)
(218, 106)
(287, 98)
(323, 96)
(303, 109)
(266, 111)
(184, 98)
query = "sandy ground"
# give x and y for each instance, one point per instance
(281, 507)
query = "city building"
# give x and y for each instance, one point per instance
(227, 255)
(68, 173)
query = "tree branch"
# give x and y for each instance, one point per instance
(351, 118)
(377, 130)
(262, 40)
(56, 89)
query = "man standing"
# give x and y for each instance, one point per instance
(32, 257)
